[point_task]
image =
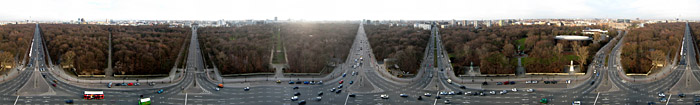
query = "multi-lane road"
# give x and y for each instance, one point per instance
(606, 84)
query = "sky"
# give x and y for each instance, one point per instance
(96, 10)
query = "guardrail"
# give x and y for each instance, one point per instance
(100, 76)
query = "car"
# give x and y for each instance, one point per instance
(576, 103)
(534, 82)
(320, 93)
(503, 92)
(320, 82)
(427, 94)
(514, 90)
(339, 90)
(54, 85)
(512, 82)
(530, 90)
(306, 82)
(592, 82)
(294, 98)
(291, 82)
(403, 95)
(447, 101)
(109, 85)
(384, 96)
(492, 92)
(160, 91)
(568, 81)
(130, 84)
(340, 82)
(69, 101)
(484, 83)
(351, 95)
(420, 98)
(469, 93)
(663, 99)
(482, 94)
(681, 95)
(661, 94)
(137, 84)
(506, 83)
(246, 88)
(343, 74)
(463, 87)
(216, 88)
(547, 82)
(298, 82)
(297, 94)
(553, 82)
(697, 98)
(318, 98)
(499, 83)
(333, 90)
(279, 81)
(151, 84)
(544, 101)
(295, 87)
(528, 82)
(459, 92)
(352, 82)
(451, 93)
(437, 97)
(340, 86)
(443, 93)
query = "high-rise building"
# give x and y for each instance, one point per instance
(476, 24)
(275, 18)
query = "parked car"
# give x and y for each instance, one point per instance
(246, 88)
(297, 94)
(160, 91)
(427, 94)
(352, 95)
(384, 96)
(403, 95)
(530, 90)
(294, 98)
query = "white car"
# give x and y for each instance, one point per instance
(246, 89)
(534, 82)
(662, 95)
(576, 103)
(530, 90)
(568, 81)
(384, 96)
(427, 94)
(514, 90)
(504, 92)
(294, 98)
(528, 82)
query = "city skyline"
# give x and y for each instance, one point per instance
(347, 10)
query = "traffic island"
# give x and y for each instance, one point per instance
(36, 86)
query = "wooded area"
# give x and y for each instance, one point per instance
(243, 49)
(138, 50)
(82, 46)
(650, 45)
(311, 47)
(15, 40)
(494, 48)
(405, 44)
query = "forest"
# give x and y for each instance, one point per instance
(494, 49)
(15, 40)
(405, 44)
(138, 50)
(235, 50)
(147, 49)
(649, 46)
(83, 47)
(313, 47)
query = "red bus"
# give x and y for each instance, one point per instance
(93, 95)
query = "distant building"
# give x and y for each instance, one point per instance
(275, 18)
(594, 31)
(476, 24)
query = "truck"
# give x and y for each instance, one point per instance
(221, 85)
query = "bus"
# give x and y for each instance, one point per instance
(89, 95)
(145, 101)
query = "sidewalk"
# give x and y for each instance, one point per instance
(102, 82)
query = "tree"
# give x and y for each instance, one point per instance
(5, 59)
(581, 52)
(657, 57)
(68, 61)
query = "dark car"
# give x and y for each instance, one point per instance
(298, 82)
(297, 94)
(512, 82)
(320, 93)
(463, 87)
(291, 82)
(352, 95)
(302, 102)
(485, 83)
(295, 87)
(69, 101)
(546, 82)
(499, 83)
(420, 98)
(338, 91)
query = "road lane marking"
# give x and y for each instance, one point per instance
(16, 100)
(669, 98)
(185, 98)
(596, 98)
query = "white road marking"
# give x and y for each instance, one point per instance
(185, 98)
(596, 98)
(16, 100)
(669, 98)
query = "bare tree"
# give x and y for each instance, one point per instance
(68, 59)
(581, 52)
(657, 57)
